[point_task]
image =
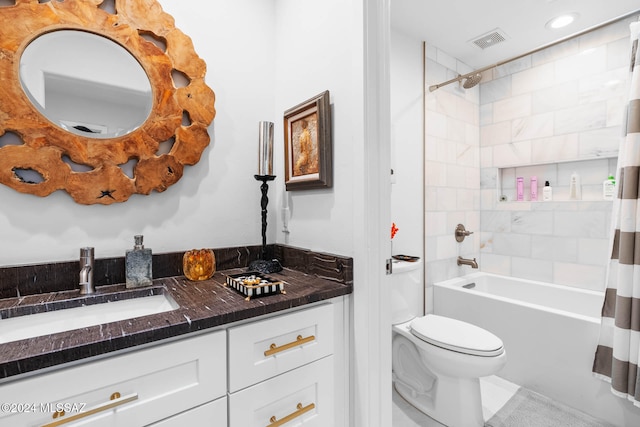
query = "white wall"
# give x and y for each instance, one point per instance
(258, 65)
(216, 203)
(313, 54)
(407, 118)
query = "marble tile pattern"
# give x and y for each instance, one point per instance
(321, 265)
(204, 304)
(452, 169)
(558, 111)
(549, 114)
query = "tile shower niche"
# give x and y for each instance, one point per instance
(592, 173)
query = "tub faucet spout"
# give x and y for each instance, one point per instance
(86, 271)
(463, 261)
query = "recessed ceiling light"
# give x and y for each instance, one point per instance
(561, 21)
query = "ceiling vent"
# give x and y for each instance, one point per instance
(490, 39)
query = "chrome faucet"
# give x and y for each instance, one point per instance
(464, 261)
(86, 271)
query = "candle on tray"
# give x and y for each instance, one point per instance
(265, 148)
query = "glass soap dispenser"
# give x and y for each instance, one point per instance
(138, 264)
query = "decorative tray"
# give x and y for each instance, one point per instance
(253, 284)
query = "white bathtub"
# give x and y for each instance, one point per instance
(550, 333)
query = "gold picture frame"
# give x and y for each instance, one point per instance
(308, 148)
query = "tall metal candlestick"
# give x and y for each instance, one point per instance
(263, 265)
(264, 200)
(265, 148)
(265, 174)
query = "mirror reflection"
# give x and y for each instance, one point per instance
(86, 83)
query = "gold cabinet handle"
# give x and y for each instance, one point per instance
(114, 400)
(300, 410)
(273, 348)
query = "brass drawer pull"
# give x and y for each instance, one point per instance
(114, 400)
(301, 410)
(273, 348)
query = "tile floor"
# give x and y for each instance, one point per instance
(495, 393)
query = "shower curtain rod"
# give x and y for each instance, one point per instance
(564, 39)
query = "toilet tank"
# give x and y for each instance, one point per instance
(407, 291)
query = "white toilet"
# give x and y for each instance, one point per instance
(437, 361)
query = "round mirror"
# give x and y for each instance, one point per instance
(90, 93)
(86, 84)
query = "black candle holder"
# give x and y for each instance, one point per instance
(263, 265)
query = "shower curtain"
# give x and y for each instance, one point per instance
(618, 354)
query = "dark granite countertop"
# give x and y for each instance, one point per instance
(202, 305)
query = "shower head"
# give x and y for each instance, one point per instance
(472, 80)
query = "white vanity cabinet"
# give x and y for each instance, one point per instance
(265, 348)
(302, 397)
(282, 370)
(213, 414)
(289, 368)
(138, 388)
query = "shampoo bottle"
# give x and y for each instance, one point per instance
(609, 188)
(575, 190)
(138, 263)
(534, 188)
(520, 189)
(547, 192)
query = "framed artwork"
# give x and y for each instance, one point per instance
(307, 139)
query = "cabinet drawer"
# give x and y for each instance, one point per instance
(266, 348)
(212, 414)
(160, 381)
(302, 397)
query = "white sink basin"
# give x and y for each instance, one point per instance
(66, 319)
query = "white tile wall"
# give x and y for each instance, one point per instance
(555, 98)
(552, 248)
(534, 269)
(534, 126)
(556, 112)
(557, 148)
(452, 168)
(512, 107)
(533, 79)
(548, 115)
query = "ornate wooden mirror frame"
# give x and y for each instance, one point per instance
(179, 115)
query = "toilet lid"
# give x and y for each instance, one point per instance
(456, 335)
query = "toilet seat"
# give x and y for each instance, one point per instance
(456, 335)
